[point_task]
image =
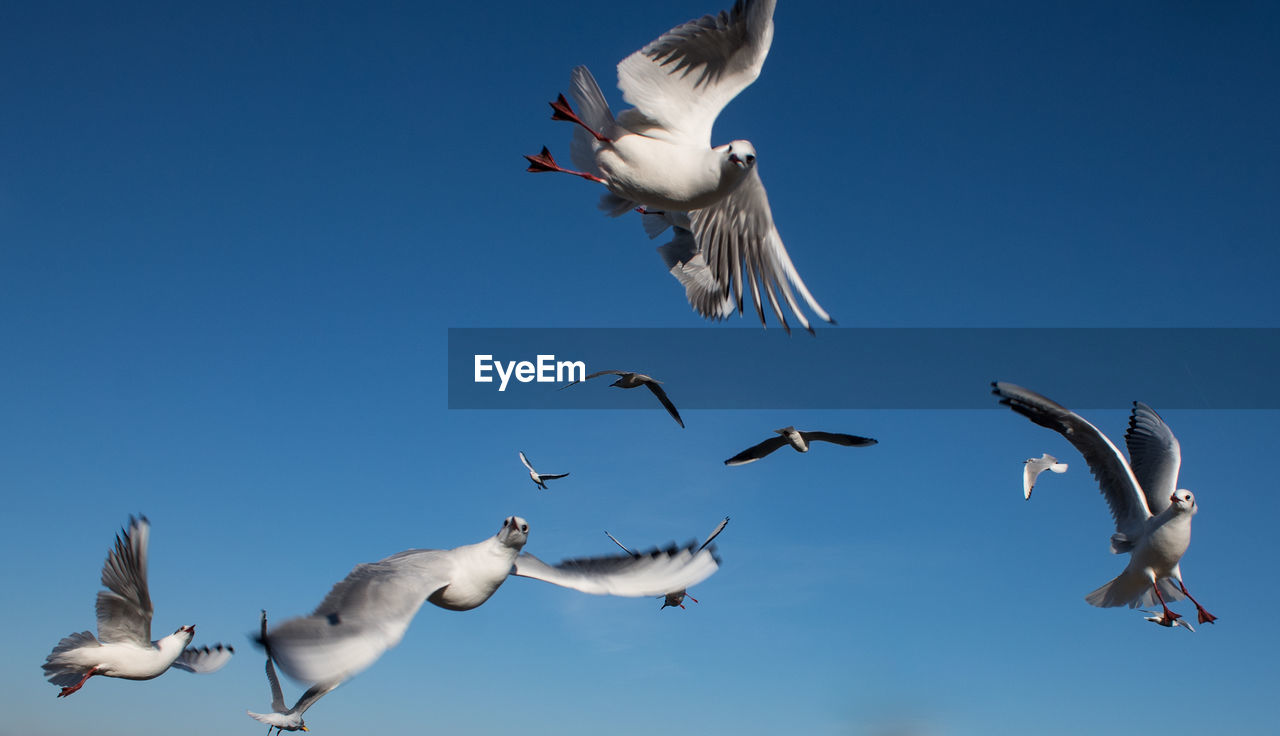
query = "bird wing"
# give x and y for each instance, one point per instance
(620, 544)
(662, 396)
(1154, 455)
(754, 453)
(715, 533)
(1116, 480)
(124, 609)
(552, 476)
(525, 460)
(686, 262)
(314, 693)
(277, 696)
(848, 440)
(681, 81)
(363, 616)
(588, 378)
(649, 573)
(739, 241)
(204, 659)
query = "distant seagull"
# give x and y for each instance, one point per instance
(124, 627)
(1034, 467)
(658, 157)
(632, 380)
(675, 598)
(797, 439)
(539, 478)
(281, 718)
(1153, 515)
(368, 612)
(1167, 622)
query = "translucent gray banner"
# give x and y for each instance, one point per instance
(891, 368)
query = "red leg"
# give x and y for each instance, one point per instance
(686, 595)
(72, 688)
(1169, 616)
(545, 162)
(1202, 615)
(566, 113)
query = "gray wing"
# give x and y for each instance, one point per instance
(525, 460)
(124, 609)
(681, 81)
(662, 396)
(588, 378)
(754, 453)
(552, 476)
(647, 574)
(737, 237)
(363, 616)
(314, 693)
(620, 544)
(1116, 480)
(686, 262)
(277, 696)
(1154, 454)
(204, 659)
(714, 533)
(848, 440)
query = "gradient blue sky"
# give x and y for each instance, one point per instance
(232, 239)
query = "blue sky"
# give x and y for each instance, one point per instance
(233, 239)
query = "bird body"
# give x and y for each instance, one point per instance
(539, 479)
(630, 379)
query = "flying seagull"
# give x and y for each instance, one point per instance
(369, 611)
(540, 479)
(627, 379)
(658, 158)
(797, 439)
(281, 718)
(1034, 467)
(1152, 515)
(124, 647)
(675, 598)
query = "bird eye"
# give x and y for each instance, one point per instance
(751, 159)
(505, 522)
(524, 527)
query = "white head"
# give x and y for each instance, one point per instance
(739, 157)
(514, 532)
(1184, 501)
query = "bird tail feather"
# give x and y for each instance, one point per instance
(57, 668)
(1132, 590)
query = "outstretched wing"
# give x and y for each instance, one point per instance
(714, 533)
(650, 573)
(681, 81)
(755, 452)
(848, 440)
(525, 460)
(1154, 455)
(204, 659)
(662, 396)
(620, 544)
(363, 616)
(124, 609)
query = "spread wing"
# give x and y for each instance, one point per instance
(650, 573)
(1154, 454)
(525, 460)
(662, 396)
(204, 659)
(740, 243)
(1116, 480)
(124, 609)
(755, 452)
(686, 262)
(681, 81)
(620, 544)
(363, 616)
(848, 440)
(714, 533)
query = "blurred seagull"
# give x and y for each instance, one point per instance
(658, 157)
(675, 598)
(1152, 515)
(632, 380)
(281, 718)
(1034, 467)
(124, 648)
(540, 479)
(369, 611)
(797, 439)
(1160, 619)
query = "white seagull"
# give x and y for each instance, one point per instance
(1152, 515)
(124, 647)
(798, 440)
(657, 157)
(1034, 467)
(675, 597)
(369, 611)
(627, 379)
(540, 479)
(280, 717)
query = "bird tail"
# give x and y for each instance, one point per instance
(56, 667)
(594, 111)
(1132, 590)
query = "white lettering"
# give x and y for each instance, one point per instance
(481, 368)
(546, 370)
(504, 376)
(569, 366)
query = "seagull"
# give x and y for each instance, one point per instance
(1152, 515)
(658, 158)
(675, 598)
(280, 718)
(797, 439)
(369, 611)
(124, 647)
(1160, 619)
(539, 478)
(631, 380)
(1034, 467)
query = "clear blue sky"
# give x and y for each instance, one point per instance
(232, 239)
